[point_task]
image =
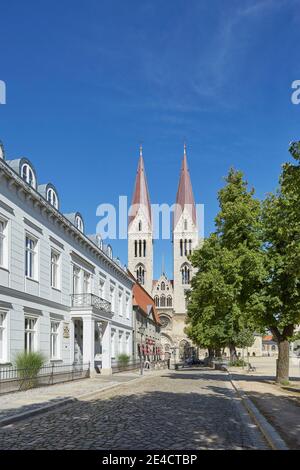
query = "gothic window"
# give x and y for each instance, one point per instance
(140, 274)
(169, 301)
(135, 248)
(156, 300)
(185, 224)
(181, 247)
(190, 246)
(140, 226)
(162, 286)
(185, 274)
(162, 301)
(140, 248)
(185, 247)
(144, 246)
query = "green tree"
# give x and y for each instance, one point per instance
(281, 294)
(230, 269)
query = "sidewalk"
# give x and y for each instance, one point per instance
(14, 406)
(279, 405)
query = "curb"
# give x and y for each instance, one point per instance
(272, 437)
(44, 409)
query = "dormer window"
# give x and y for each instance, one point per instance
(28, 175)
(109, 251)
(79, 223)
(99, 241)
(52, 198)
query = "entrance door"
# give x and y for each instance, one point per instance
(78, 341)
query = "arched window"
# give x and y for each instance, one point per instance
(185, 224)
(109, 251)
(190, 247)
(140, 274)
(52, 197)
(162, 301)
(185, 274)
(140, 226)
(156, 300)
(79, 223)
(140, 248)
(162, 286)
(169, 301)
(135, 248)
(181, 247)
(28, 175)
(144, 246)
(99, 241)
(185, 247)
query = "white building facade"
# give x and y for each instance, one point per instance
(61, 292)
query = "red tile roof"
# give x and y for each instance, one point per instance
(185, 197)
(143, 300)
(268, 338)
(140, 196)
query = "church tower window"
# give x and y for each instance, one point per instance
(140, 274)
(135, 248)
(185, 274)
(144, 246)
(162, 286)
(140, 226)
(181, 247)
(162, 301)
(169, 301)
(156, 300)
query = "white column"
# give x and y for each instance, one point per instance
(106, 349)
(89, 340)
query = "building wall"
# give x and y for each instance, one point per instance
(20, 295)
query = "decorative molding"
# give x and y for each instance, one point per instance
(6, 207)
(32, 225)
(53, 240)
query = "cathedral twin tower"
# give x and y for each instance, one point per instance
(169, 294)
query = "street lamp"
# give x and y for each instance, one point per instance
(142, 330)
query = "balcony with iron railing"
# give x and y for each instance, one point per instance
(90, 300)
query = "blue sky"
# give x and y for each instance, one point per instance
(87, 81)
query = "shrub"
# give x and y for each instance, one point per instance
(238, 363)
(123, 360)
(28, 365)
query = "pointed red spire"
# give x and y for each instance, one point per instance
(140, 196)
(185, 197)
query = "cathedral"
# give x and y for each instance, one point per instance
(168, 294)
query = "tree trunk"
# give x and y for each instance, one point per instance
(282, 363)
(233, 355)
(217, 352)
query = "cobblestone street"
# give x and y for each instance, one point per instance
(186, 409)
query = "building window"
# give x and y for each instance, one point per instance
(128, 344)
(162, 301)
(112, 298)
(3, 243)
(120, 304)
(54, 340)
(169, 301)
(86, 283)
(3, 336)
(140, 226)
(113, 344)
(181, 247)
(79, 223)
(156, 300)
(28, 175)
(185, 248)
(140, 275)
(101, 288)
(76, 280)
(127, 307)
(190, 247)
(162, 286)
(120, 344)
(30, 257)
(185, 224)
(52, 198)
(135, 248)
(185, 274)
(30, 332)
(55, 269)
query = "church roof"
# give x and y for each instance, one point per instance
(143, 300)
(185, 196)
(140, 196)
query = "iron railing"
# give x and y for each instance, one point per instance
(135, 364)
(13, 379)
(90, 300)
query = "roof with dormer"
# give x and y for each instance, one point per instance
(185, 196)
(140, 198)
(143, 300)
